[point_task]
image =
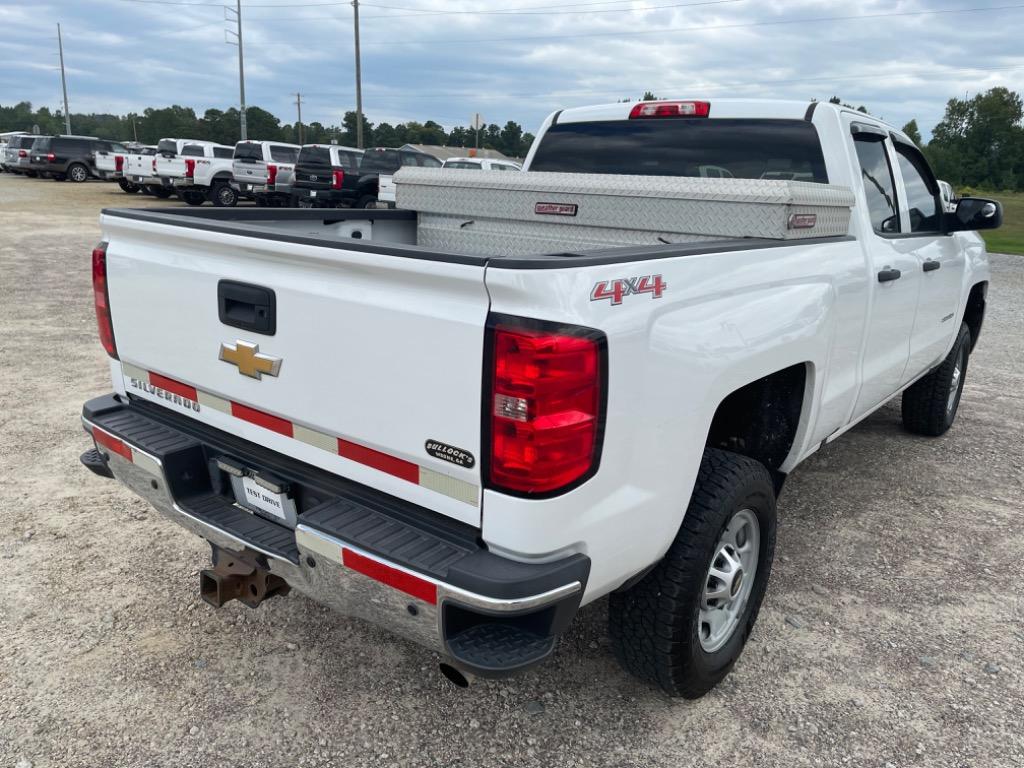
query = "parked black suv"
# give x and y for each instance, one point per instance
(69, 157)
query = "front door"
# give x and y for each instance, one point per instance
(940, 260)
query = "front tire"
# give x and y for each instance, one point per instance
(78, 173)
(684, 625)
(930, 404)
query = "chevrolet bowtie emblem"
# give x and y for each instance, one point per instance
(249, 359)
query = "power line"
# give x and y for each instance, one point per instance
(664, 30)
(521, 12)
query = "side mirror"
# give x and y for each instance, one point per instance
(973, 213)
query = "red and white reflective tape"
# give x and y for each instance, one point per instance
(166, 388)
(114, 445)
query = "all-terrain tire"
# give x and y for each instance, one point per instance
(193, 197)
(930, 404)
(655, 625)
(366, 201)
(128, 187)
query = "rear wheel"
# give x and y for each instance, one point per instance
(929, 406)
(31, 174)
(223, 196)
(366, 201)
(193, 197)
(157, 191)
(127, 186)
(304, 202)
(684, 625)
(78, 173)
(58, 177)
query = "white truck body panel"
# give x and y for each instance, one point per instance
(384, 345)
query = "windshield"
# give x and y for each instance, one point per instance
(709, 148)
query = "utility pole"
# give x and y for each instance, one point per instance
(237, 10)
(359, 79)
(298, 106)
(63, 81)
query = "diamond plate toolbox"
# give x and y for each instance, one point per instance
(502, 214)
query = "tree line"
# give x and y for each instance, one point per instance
(223, 127)
(978, 143)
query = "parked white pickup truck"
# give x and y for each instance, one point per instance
(521, 392)
(140, 171)
(264, 170)
(197, 171)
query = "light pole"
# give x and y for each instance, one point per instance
(63, 81)
(359, 79)
(237, 10)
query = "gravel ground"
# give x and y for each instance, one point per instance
(892, 634)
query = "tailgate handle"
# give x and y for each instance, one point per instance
(247, 306)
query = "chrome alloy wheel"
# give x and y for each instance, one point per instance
(730, 580)
(954, 384)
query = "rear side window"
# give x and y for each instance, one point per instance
(879, 187)
(167, 147)
(741, 148)
(192, 150)
(247, 150)
(25, 142)
(42, 144)
(223, 152)
(920, 189)
(283, 154)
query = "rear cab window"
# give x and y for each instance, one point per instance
(381, 161)
(315, 155)
(167, 147)
(739, 148)
(247, 150)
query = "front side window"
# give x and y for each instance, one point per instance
(920, 189)
(879, 187)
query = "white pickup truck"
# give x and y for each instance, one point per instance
(519, 393)
(197, 171)
(140, 172)
(264, 171)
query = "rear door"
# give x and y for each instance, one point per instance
(895, 275)
(375, 357)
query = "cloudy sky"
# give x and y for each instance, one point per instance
(509, 59)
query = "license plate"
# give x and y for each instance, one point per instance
(266, 501)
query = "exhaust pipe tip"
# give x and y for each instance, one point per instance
(453, 675)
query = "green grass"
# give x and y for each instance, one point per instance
(1009, 238)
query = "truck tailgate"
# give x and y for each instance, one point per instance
(377, 356)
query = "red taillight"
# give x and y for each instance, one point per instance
(118, 162)
(154, 164)
(271, 174)
(22, 153)
(51, 158)
(190, 168)
(337, 178)
(545, 407)
(647, 109)
(101, 297)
